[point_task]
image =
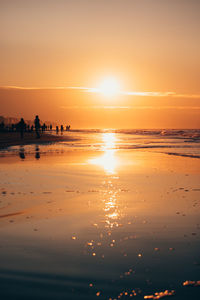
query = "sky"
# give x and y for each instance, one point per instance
(55, 56)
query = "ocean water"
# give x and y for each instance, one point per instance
(185, 142)
(172, 142)
(108, 214)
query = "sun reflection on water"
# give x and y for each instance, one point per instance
(111, 206)
(109, 140)
(110, 223)
(108, 160)
(112, 212)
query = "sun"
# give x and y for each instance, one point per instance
(109, 87)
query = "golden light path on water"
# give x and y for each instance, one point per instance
(109, 161)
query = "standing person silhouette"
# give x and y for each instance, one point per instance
(22, 126)
(37, 127)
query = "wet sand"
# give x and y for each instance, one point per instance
(8, 139)
(84, 223)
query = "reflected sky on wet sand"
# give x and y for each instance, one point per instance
(93, 220)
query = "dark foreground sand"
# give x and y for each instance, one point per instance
(8, 139)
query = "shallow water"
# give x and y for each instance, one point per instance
(110, 216)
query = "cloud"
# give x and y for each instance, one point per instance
(13, 87)
(95, 107)
(195, 96)
(149, 94)
(127, 93)
(98, 91)
(85, 107)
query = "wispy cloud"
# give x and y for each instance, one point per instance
(95, 107)
(13, 87)
(195, 96)
(127, 93)
(118, 107)
(98, 91)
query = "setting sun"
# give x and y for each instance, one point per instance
(109, 87)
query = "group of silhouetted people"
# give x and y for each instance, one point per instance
(62, 128)
(23, 127)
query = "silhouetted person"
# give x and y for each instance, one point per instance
(22, 127)
(37, 127)
(13, 127)
(21, 153)
(32, 127)
(50, 126)
(61, 128)
(43, 127)
(2, 126)
(57, 129)
(37, 152)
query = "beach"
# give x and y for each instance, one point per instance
(101, 214)
(8, 139)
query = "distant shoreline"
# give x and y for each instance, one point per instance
(8, 139)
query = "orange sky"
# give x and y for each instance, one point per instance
(147, 45)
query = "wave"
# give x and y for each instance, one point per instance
(179, 133)
(183, 155)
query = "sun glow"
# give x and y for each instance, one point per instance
(109, 87)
